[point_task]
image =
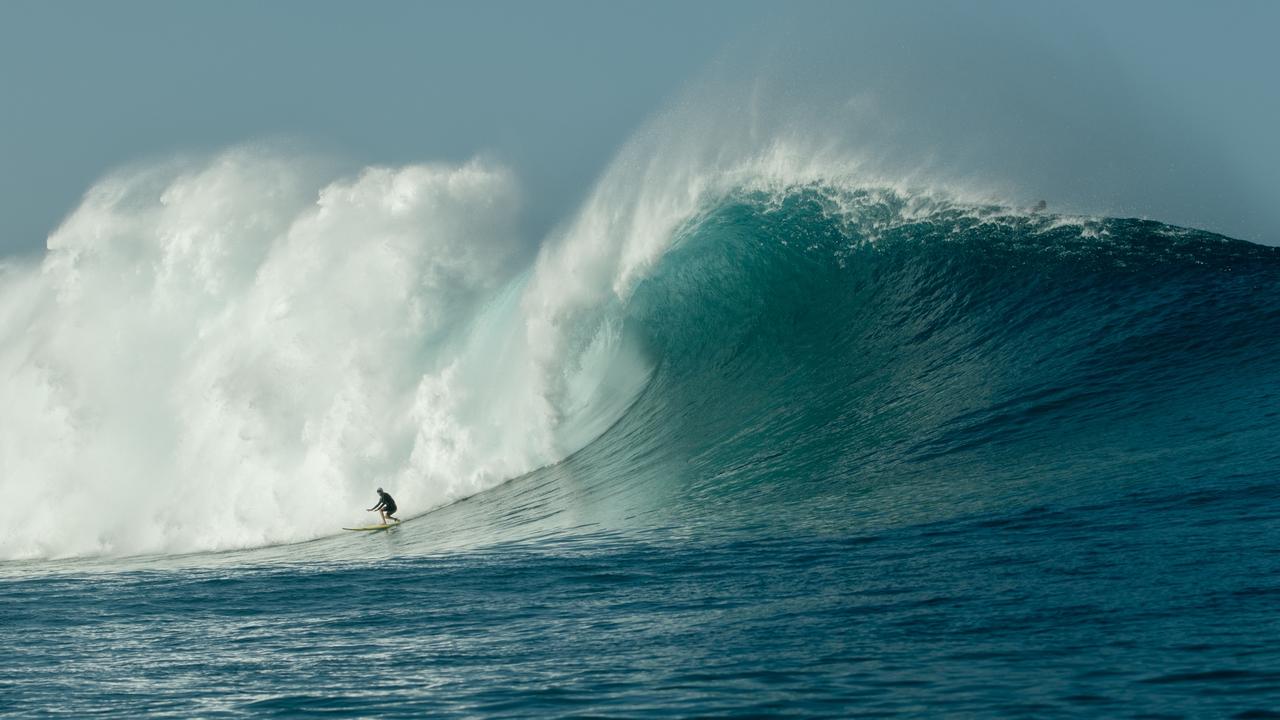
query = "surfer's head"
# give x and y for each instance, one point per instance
(379, 489)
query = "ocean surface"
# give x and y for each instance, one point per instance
(802, 449)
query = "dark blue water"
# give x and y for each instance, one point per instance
(892, 462)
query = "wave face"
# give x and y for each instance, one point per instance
(825, 353)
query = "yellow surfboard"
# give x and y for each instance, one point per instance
(369, 528)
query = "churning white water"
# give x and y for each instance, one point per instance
(236, 351)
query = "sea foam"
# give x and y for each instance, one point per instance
(235, 351)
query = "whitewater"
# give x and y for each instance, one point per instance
(762, 428)
(233, 353)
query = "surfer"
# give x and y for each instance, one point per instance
(386, 506)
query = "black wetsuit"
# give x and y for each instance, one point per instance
(388, 504)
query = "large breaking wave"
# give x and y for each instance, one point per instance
(234, 352)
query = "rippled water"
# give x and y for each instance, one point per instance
(1148, 604)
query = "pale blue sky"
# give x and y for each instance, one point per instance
(554, 88)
